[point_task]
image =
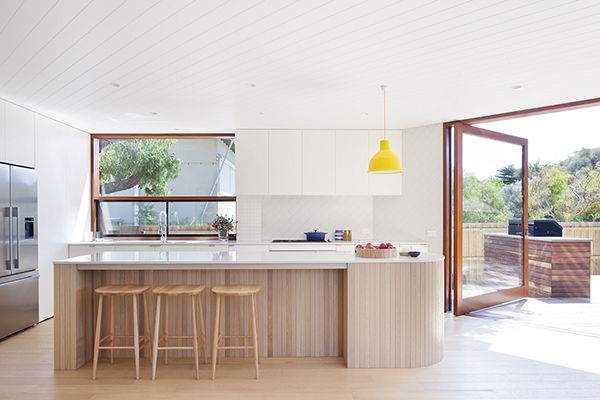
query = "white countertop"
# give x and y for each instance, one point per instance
(231, 242)
(237, 259)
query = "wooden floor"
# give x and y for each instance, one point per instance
(511, 352)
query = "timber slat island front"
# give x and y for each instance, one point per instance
(376, 313)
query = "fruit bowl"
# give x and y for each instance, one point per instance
(376, 253)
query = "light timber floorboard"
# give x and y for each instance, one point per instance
(517, 351)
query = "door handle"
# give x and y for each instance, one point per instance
(8, 213)
(18, 257)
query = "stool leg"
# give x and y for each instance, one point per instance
(112, 329)
(221, 328)
(97, 339)
(155, 344)
(166, 329)
(202, 330)
(255, 310)
(195, 337)
(216, 338)
(147, 334)
(136, 337)
(255, 334)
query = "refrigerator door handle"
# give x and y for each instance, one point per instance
(18, 256)
(8, 212)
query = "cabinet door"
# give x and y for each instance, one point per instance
(252, 162)
(75, 251)
(20, 136)
(385, 185)
(351, 162)
(212, 247)
(318, 163)
(3, 130)
(285, 162)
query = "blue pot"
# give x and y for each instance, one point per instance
(315, 236)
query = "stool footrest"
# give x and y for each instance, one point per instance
(234, 347)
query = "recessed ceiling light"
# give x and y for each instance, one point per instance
(153, 113)
(114, 84)
(516, 87)
(259, 113)
(364, 113)
(175, 129)
(250, 85)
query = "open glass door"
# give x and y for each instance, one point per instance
(490, 265)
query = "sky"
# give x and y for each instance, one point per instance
(552, 138)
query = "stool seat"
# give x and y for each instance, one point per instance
(235, 290)
(178, 290)
(122, 290)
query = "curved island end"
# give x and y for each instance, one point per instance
(376, 313)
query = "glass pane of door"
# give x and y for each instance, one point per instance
(489, 219)
(492, 196)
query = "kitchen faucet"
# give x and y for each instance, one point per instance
(162, 227)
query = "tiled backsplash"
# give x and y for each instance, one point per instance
(393, 218)
(288, 217)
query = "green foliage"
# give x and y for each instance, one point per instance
(146, 214)
(580, 159)
(482, 201)
(147, 163)
(509, 174)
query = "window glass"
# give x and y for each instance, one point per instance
(166, 167)
(141, 218)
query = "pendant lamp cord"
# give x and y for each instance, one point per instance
(383, 87)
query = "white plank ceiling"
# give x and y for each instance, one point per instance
(218, 65)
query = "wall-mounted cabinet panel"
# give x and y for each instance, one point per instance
(20, 136)
(318, 163)
(385, 185)
(2, 130)
(285, 162)
(252, 162)
(351, 162)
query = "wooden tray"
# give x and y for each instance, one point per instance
(377, 253)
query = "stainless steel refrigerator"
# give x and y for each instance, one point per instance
(19, 301)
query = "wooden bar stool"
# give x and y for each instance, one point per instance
(234, 291)
(197, 340)
(108, 342)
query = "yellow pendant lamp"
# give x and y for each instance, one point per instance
(385, 161)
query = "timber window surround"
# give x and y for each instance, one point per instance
(137, 178)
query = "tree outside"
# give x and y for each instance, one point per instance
(567, 191)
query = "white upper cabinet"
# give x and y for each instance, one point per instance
(385, 185)
(2, 130)
(19, 136)
(285, 162)
(318, 163)
(313, 163)
(351, 162)
(252, 162)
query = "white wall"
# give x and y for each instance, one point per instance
(388, 218)
(62, 161)
(420, 208)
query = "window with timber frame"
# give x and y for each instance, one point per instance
(139, 179)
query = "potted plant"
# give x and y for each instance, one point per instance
(222, 224)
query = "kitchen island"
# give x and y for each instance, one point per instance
(376, 313)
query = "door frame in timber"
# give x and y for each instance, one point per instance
(463, 306)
